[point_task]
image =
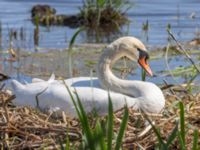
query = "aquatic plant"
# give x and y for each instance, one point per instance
(102, 18)
(145, 29)
(104, 15)
(36, 32)
(145, 26)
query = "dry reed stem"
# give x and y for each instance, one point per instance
(183, 51)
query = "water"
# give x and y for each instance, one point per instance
(160, 13)
(15, 14)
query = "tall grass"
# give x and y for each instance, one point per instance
(182, 132)
(103, 17)
(94, 136)
(110, 124)
(71, 43)
(101, 4)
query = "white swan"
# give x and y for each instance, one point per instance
(93, 91)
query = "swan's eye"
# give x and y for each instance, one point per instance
(147, 56)
(143, 54)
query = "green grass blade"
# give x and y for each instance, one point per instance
(122, 129)
(72, 41)
(73, 100)
(172, 136)
(182, 144)
(82, 117)
(81, 109)
(195, 140)
(85, 124)
(67, 140)
(143, 75)
(61, 144)
(110, 123)
(182, 122)
(160, 140)
(99, 136)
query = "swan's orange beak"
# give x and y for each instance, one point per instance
(143, 63)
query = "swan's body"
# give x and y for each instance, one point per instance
(56, 97)
(93, 91)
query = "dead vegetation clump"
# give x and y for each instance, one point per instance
(24, 127)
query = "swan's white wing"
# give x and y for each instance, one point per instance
(98, 99)
(74, 82)
(91, 98)
(56, 97)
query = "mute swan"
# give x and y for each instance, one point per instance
(53, 95)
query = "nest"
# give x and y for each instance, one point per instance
(27, 128)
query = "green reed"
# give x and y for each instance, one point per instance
(94, 137)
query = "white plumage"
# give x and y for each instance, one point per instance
(93, 92)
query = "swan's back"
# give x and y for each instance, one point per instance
(149, 97)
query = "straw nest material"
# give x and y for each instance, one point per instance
(27, 128)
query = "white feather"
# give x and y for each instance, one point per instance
(54, 96)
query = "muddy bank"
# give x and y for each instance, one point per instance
(85, 57)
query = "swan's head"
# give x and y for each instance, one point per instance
(134, 49)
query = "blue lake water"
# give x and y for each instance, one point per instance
(15, 14)
(182, 15)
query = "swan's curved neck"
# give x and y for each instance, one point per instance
(111, 82)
